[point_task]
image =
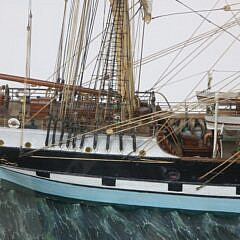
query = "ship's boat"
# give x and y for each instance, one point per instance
(93, 137)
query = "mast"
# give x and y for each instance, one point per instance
(215, 126)
(124, 52)
(27, 71)
(124, 57)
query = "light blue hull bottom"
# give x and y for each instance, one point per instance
(122, 197)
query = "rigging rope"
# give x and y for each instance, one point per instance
(193, 58)
(164, 75)
(96, 130)
(197, 104)
(208, 20)
(200, 37)
(197, 11)
(215, 63)
(141, 56)
(161, 115)
(221, 171)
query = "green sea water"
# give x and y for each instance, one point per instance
(26, 215)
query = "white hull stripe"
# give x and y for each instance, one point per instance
(115, 196)
(133, 185)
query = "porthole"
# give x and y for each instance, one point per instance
(28, 145)
(13, 123)
(88, 149)
(1, 142)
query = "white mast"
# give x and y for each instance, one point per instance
(27, 69)
(215, 127)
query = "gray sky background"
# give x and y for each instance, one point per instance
(160, 34)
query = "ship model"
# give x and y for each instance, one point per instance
(95, 138)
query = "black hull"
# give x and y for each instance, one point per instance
(118, 166)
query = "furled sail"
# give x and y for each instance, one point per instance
(147, 8)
